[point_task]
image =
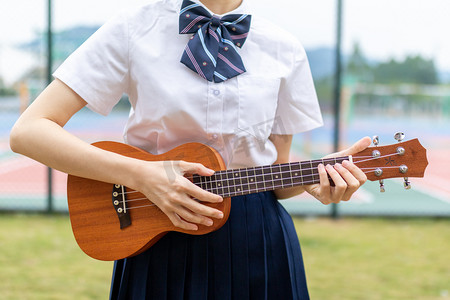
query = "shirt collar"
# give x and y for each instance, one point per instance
(241, 9)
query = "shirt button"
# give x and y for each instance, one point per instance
(216, 92)
(214, 136)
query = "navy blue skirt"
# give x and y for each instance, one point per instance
(255, 255)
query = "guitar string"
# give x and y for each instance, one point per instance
(281, 173)
(275, 187)
(374, 158)
(225, 194)
(150, 205)
(142, 206)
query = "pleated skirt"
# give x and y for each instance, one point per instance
(255, 255)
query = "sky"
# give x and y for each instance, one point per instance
(383, 28)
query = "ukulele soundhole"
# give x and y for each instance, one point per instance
(119, 200)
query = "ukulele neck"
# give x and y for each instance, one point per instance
(243, 181)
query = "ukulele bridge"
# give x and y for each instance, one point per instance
(120, 205)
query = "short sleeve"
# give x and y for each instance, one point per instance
(298, 108)
(98, 69)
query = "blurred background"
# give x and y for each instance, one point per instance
(379, 67)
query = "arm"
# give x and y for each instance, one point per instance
(39, 134)
(346, 176)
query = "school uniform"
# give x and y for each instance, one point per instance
(256, 254)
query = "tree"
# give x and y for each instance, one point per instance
(414, 69)
(6, 91)
(358, 66)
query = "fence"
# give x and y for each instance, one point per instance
(23, 182)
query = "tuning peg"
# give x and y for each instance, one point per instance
(375, 140)
(406, 183)
(399, 136)
(382, 190)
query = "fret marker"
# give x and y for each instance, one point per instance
(296, 174)
(251, 179)
(276, 176)
(239, 190)
(236, 174)
(218, 184)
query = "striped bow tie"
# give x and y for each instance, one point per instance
(212, 50)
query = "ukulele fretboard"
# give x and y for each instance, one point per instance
(229, 183)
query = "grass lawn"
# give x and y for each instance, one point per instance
(346, 259)
(376, 258)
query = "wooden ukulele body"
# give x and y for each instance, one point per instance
(94, 219)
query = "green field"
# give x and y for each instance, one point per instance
(345, 259)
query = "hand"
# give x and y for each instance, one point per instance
(346, 176)
(165, 185)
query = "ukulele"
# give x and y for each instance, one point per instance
(111, 221)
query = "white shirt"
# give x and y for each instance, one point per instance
(139, 53)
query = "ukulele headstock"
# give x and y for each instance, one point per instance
(404, 159)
